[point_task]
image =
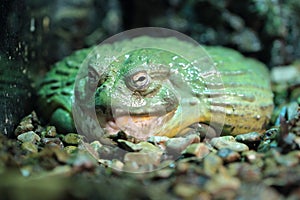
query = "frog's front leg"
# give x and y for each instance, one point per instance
(205, 131)
(62, 120)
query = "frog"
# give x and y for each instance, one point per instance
(153, 91)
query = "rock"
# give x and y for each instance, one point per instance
(143, 158)
(222, 186)
(53, 142)
(72, 139)
(96, 145)
(186, 191)
(228, 142)
(27, 124)
(248, 137)
(147, 147)
(158, 139)
(70, 149)
(212, 163)
(29, 136)
(83, 161)
(284, 73)
(175, 146)
(254, 158)
(259, 190)
(228, 155)
(50, 131)
(117, 164)
(28, 146)
(248, 173)
(164, 173)
(128, 146)
(289, 160)
(199, 150)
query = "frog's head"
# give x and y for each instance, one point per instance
(140, 93)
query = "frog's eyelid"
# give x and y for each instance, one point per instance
(155, 71)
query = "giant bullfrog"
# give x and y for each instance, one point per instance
(151, 91)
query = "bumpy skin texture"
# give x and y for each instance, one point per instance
(157, 92)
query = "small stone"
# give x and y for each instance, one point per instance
(128, 146)
(212, 163)
(284, 73)
(96, 145)
(175, 146)
(25, 125)
(223, 186)
(143, 158)
(61, 155)
(248, 137)
(164, 173)
(228, 142)
(147, 147)
(289, 160)
(228, 155)
(261, 191)
(248, 172)
(117, 164)
(70, 149)
(297, 141)
(199, 150)
(50, 131)
(158, 139)
(186, 191)
(29, 136)
(53, 142)
(84, 160)
(253, 157)
(72, 139)
(28, 146)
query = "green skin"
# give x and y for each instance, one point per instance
(153, 91)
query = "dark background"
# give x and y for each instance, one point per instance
(36, 33)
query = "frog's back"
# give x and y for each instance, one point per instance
(55, 94)
(245, 96)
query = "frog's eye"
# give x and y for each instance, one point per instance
(138, 81)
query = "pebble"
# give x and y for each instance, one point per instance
(223, 186)
(28, 146)
(212, 163)
(289, 160)
(248, 137)
(228, 155)
(250, 173)
(147, 147)
(164, 173)
(128, 146)
(53, 142)
(26, 124)
(175, 146)
(228, 142)
(186, 191)
(284, 73)
(143, 158)
(50, 131)
(200, 150)
(29, 136)
(72, 139)
(117, 164)
(70, 149)
(96, 145)
(253, 157)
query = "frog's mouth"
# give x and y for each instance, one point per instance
(136, 124)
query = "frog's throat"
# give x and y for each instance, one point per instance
(139, 126)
